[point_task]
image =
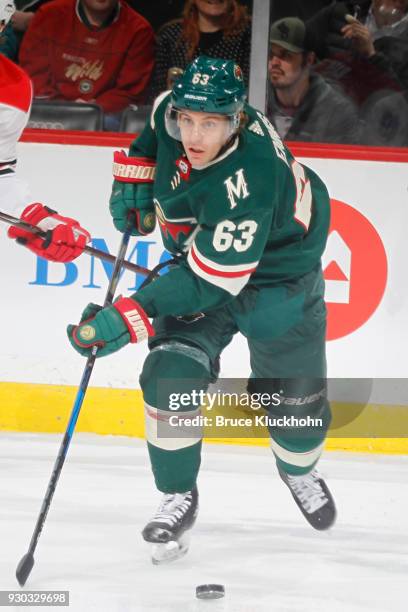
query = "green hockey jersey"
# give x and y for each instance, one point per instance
(254, 215)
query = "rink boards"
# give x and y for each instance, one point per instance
(366, 294)
(375, 428)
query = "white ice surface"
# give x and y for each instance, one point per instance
(249, 535)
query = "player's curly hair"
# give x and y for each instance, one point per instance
(234, 22)
(243, 122)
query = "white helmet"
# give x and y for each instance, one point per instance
(7, 9)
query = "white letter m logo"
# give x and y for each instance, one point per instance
(240, 190)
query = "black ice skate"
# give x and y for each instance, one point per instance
(168, 529)
(313, 497)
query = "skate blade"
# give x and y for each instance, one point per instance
(170, 551)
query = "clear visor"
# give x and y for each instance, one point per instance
(184, 124)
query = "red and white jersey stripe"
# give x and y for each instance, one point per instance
(231, 278)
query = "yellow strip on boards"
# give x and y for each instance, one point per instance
(46, 409)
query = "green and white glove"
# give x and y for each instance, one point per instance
(110, 328)
(132, 191)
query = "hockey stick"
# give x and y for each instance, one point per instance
(88, 249)
(27, 562)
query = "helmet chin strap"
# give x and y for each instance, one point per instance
(231, 139)
(226, 146)
(220, 153)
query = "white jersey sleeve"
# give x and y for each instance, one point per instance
(12, 122)
(14, 195)
(15, 104)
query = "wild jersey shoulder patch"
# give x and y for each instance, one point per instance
(255, 127)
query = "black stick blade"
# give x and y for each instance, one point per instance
(24, 568)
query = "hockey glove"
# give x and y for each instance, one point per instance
(110, 328)
(132, 190)
(65, 238)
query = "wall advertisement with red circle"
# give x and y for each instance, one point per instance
(365, 269)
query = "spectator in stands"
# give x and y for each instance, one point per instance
(157, 13)
(367, 45)
(217, 29)
(381, 17)
(301, 104)
(97, 51)
(369, 61)
(168, 10)
(382, 37)
(11, 37)
(382, 41)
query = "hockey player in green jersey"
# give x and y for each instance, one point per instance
(249, 224)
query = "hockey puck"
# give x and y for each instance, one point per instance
(210, 591)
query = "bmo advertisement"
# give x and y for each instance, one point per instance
(365, 267)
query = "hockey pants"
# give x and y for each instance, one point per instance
(285, 328)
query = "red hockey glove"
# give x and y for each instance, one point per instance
(65, 238)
